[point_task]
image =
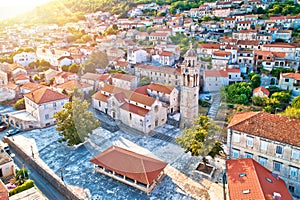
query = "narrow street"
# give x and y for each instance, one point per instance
(43, 185)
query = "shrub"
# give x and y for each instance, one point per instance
(28, 184)
(20, 104)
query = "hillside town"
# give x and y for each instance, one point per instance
(151, 96)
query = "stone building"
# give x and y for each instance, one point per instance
(136, 110)
(271, 140)
(189, 89)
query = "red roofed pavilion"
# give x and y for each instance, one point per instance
(128, 167)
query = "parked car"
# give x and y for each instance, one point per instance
(12, 132)
(3, 127)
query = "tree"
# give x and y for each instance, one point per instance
(36, 77)
(237, 93)
(97, 60)
(296, 102)
(199, 140)
(20, 104)
(291, 112)
(282, 97)
(271, 105)
(65, 68)
(52, 81)
(145, 81)
(75, 122)
(255, 81)
(21, 176)
(74, 68)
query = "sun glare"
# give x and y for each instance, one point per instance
(14, 7)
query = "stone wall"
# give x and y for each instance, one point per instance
(40, 167)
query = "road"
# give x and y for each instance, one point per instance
(43, 185)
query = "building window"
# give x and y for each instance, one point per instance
(248, 155)
(262, 161)
(250, 141)
(141, 122)
(295, 154)
(54, 104)
(263, 145)
(277, 166)
(235, 153)
(99, 103)
(279, 149)
(286, 80)
(47, 116)
(45, 106)
(293, 172)
(130, 116)
(236, 137)
(291, 189)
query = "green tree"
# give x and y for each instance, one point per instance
(255, 81)
(237, 93)
(282, 97)
(145, 81)
(97, 60)
(52, 81)
(20, 104)
(199, 140)
(74, 68)
(291, 112)
(21, 176)
(75, 122)
(271, 104)
(36, 77)
(296, 102)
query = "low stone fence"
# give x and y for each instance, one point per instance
(40, 167)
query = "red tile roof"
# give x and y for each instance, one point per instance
(44, 95)
(130, 95)
(31, 86)
(160, 88)
(99, 96)
(166, 70)
(141, 90)
(221, 53)
(261, 89)
(21, 77)
(248, 42)
(70, 85)
(215, 73)
(280, 45)
(233, 70)
(130, 164)
(125, 77)
(165, 53)
(248, 175)
(209, 46)
(134, 109)
(295, 76)
(270, 126)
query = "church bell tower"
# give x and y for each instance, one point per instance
(189, 89)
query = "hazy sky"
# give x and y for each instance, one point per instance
(10, 8)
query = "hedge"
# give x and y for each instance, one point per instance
(28, 184)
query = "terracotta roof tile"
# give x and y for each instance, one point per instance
(125, 77)
(248, 42)
(130, 164)
(44, 95)
(99, 96)
(21, 77)
(215, 73)
(166, 53)
(261, 89)
(295, 76)
(270, 126)
(130, 95)
(221, 53)
(233, 70)
(70, 85)
(160, 88)
(248, 175)
(31, 86)
(134, 109)
(209, 46)
(280, 45)
(141, 90)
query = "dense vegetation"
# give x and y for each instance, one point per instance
(281, 8)
(63, 11)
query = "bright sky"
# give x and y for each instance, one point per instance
(10, 8)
